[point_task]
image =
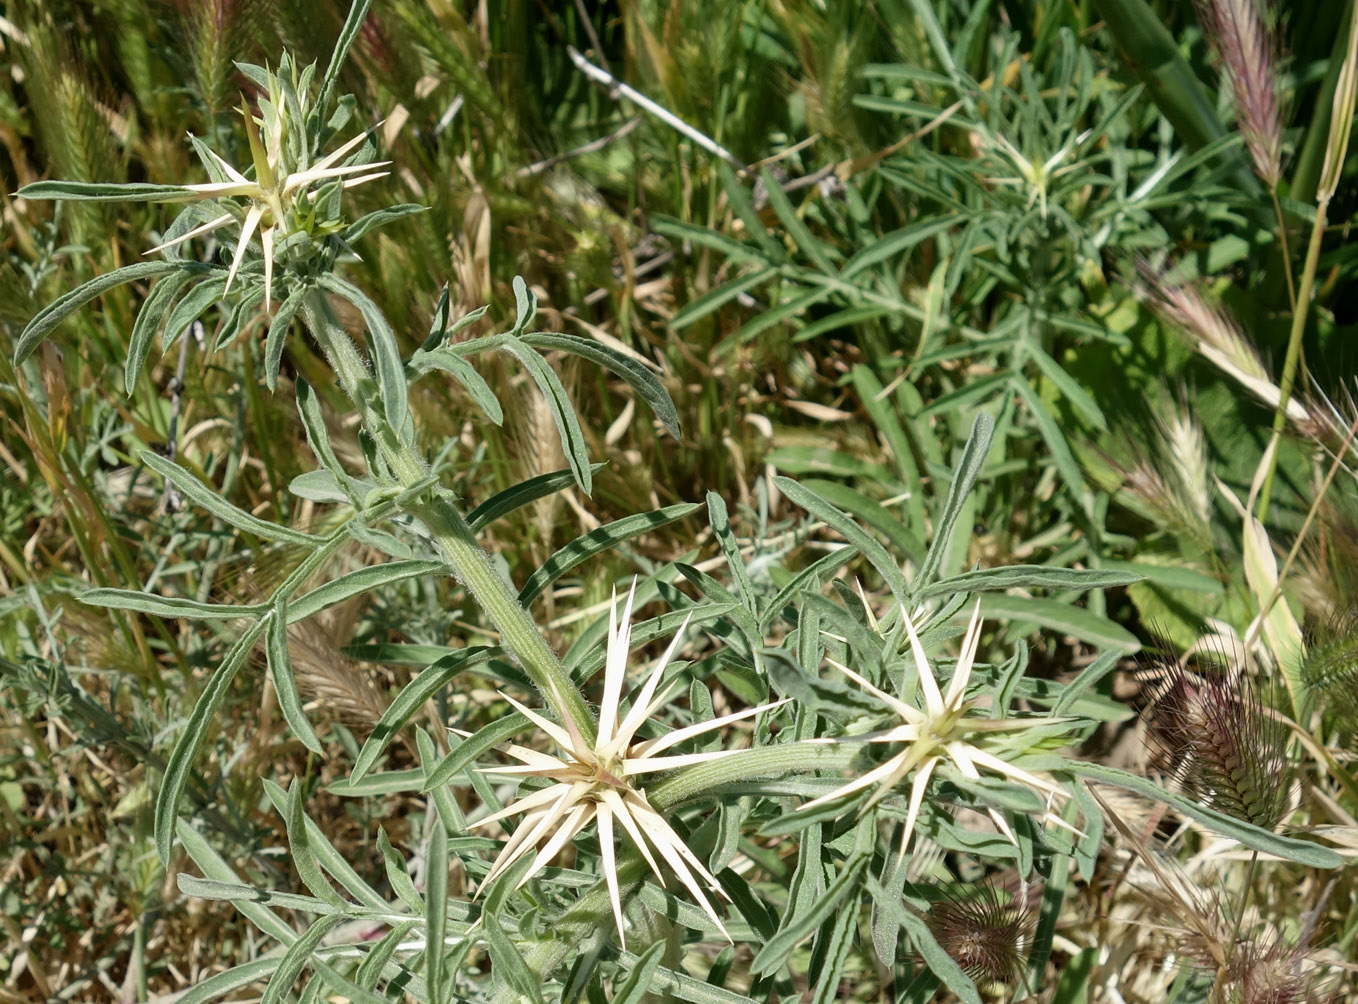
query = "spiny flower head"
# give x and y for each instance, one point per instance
(1210, 732)
(943, 730)
(598, 780)
(985, 932)
(281, 199)
(278, 199)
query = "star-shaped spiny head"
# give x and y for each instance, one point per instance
(941, 730)
(278, 197)
(599, 780)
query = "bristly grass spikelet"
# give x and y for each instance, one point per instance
(985, 931)
(1246, 46)
(1330, 670)
(1208, 730)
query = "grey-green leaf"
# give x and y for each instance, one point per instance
(186, 748)
(638, 377)
(202, 495)
(55, 312)
(567, 424)
(278, 332)
(601, 539)
(148, 320)
(284, 682)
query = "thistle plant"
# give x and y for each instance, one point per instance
(601, 780)
(943, 732)
(720, 817)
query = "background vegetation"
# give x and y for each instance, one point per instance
(916, 211)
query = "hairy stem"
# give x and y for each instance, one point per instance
(447, 527)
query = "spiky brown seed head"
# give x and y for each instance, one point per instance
(985, 931)
(1271, 972)
(1330, 670)
(1210, 732)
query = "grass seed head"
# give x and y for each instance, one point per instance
(984, 932)
(1209, 731)
(1247, 49)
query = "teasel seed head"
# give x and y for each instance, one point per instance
(985, 931)
(1209, 731)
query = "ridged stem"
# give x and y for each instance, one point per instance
(447, 527)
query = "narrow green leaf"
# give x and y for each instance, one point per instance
(200, 494)
(598, 540)
(796, 927)
(104, 191)
(717, 298)
(221, 984)
(1031, 577)
(894, 243)
(211, 864)
(739, 198)
(148, 320)
(940, 963)
(1069, 386)
(284, 682)
(353, 24)
(238, 892)
(473, 746)
(639, 976)
(361, 580)
(295, 960)
(567, 424)
(380, 218)
(436, 907)
(885, 521)
(638, 377)
(456, 366)
(1062, 617)
(351, 991)
(278, 332)
(55, 312)
(720, 521)
(1300, 851)
(422, 686)
(397, 876)
(191, 739)
(525, 306)
(876, 554)
(203, 295)
(386, 352)
(168, 606)
(680, 231)
(309, 408)
(1056, 441)
(514, 497)
(508, 963)
(968, 469)
(787, 213)
(299, 843)
(685, 987)
(329, 858)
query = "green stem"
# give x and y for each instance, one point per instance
(446, 525)
(1299, 316)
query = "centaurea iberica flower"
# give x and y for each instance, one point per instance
(598, 781)
(943, 730)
